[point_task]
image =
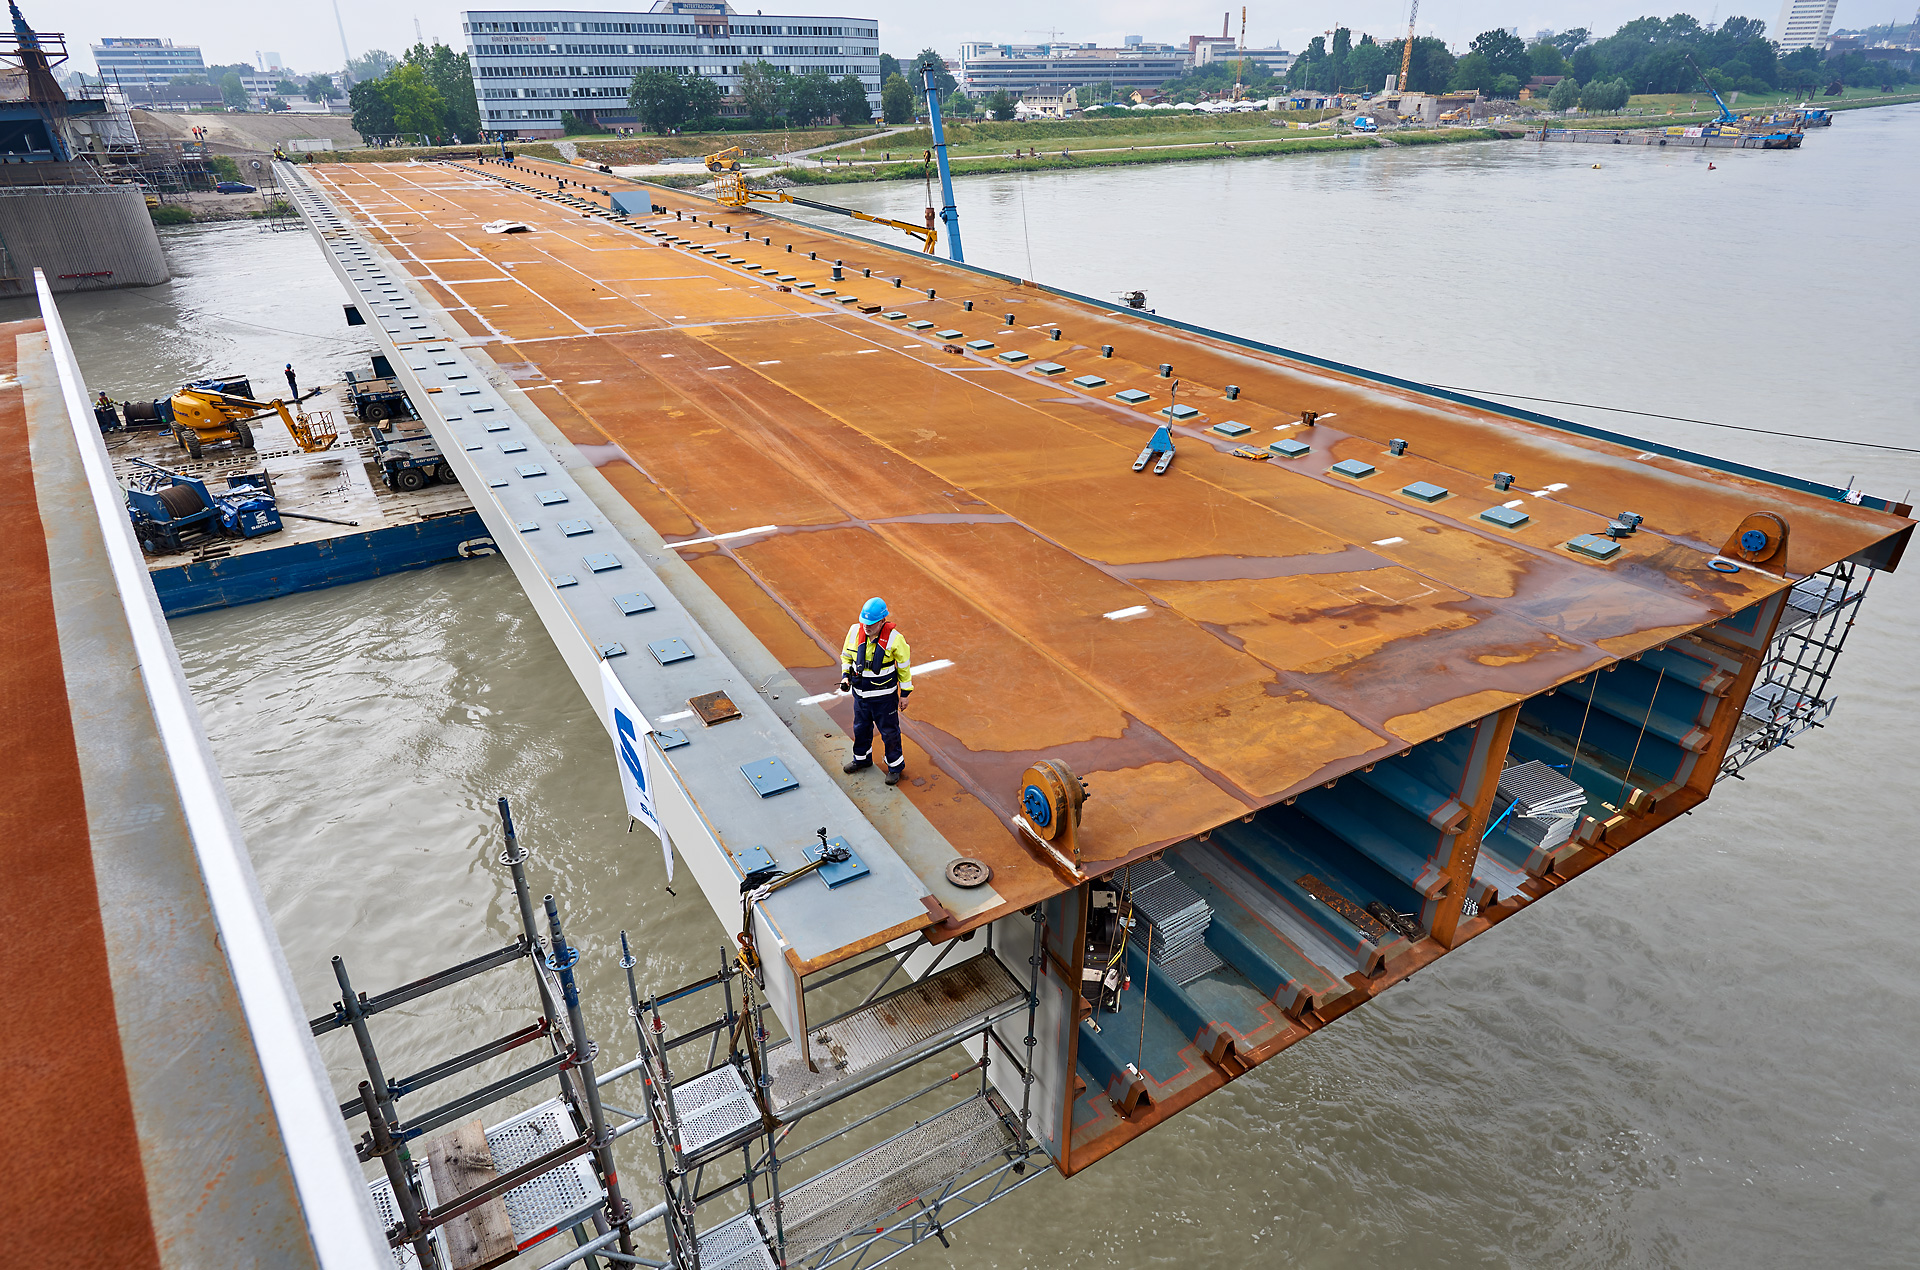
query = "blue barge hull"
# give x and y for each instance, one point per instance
(201, 585)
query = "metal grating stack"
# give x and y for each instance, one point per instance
(1178, 920)
(1538, 805)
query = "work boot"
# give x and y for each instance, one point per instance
(857, 765)
(895, 774)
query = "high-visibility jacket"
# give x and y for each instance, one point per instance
(877, 665)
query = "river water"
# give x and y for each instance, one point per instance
(1704, 1053)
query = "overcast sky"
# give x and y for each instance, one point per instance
(306, 37)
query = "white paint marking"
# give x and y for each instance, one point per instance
(669, 354)
(928, 667)
(719, 368)
(858, 351)
(1327, 416)
(1518, 502)
(1118, 614)
(1387, 542)
(825, 696)
(586, 381)
(1555, 489)
(1647, 456)
(774, 362)
(673, 718)
(734, 533)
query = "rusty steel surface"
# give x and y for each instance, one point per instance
(1195, 645)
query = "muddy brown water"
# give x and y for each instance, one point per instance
(1702, 1054)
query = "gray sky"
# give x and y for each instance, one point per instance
(305, 35)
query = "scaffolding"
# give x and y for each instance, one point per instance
(488, 1193)
(722, 1125)
(457, 1195)
(1792, 693)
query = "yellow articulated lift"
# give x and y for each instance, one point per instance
(204, 417)
(733, 191)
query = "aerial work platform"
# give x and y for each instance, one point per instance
(1287, 669)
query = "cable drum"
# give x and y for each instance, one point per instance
(180, 500)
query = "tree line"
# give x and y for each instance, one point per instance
(428, 93)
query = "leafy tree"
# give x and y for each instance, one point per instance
(659, 99)
(276, 104)
(942, 77)
(1337, 57)
(418, 106)
(958, 106)
(889, 67)
(1471, 72)
(1565, 94)
(1431, 66)
(896, 100)
(1505, 54)
(1568, 41)
(1368, 65)
(450, 74)
(287, 88)
(812, 99)
(848, 97)
(232, 91)
(578, 125)
(188, 79)
(1605, 95)
(372, 64)
(320, 88)
(999, 104)
(764, 91)
(1546, 59)
(1505, 87)
(372, 112)
(703, 97)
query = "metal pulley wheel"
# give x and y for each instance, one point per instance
(1051, 796)
(967, 873)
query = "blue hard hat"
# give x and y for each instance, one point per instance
(874, 610)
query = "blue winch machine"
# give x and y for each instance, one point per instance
(168, 508)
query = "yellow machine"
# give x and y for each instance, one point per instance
(202, 417)
(733, 191)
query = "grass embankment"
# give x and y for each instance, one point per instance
(1651, 111)
(1091, 158)
(693, 145)
(995, 138)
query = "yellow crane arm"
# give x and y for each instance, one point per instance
(927, 233)
(1406, 50)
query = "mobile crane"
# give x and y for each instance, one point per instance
(733, 191)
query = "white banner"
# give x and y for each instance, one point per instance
(631, 754)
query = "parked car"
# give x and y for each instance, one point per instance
(234, 187)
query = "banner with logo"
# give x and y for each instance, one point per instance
(631, 753)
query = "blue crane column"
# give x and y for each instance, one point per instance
(949, 214)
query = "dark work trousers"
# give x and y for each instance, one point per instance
(881, 712)
(293, 386)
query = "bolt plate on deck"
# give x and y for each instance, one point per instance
(634, 602)
(768, 776)
(668, 651)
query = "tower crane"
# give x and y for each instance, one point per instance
(1406, 51)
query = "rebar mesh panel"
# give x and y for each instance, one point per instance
(735, 1245)
(560, 1194)
(872, 1188)
(1178, 916)
(713, 1105)
(870, 1036)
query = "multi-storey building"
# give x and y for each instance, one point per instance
(530, 65)
(1024, 68)
(1804, 22)
(145, 63)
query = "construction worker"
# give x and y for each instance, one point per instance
(293, 385)
(876, 666)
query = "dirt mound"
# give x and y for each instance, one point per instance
(249, 133)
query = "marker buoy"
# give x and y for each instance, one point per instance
(1710, 167)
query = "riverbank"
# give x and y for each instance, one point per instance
(1073, 160)
(1657, 119)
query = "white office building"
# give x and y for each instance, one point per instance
(1804, 22)
(1053, 68)
(145, 63)
(530, 65)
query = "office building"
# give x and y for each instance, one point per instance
(145, 63)
(1024, 68)
(530, 65)
(1803, 22)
